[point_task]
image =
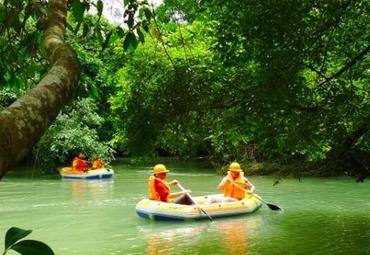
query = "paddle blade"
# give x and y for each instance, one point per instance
(274, 207)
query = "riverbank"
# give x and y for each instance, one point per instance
(274, 169)
(298, 170)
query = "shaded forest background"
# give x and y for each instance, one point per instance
(279, 85)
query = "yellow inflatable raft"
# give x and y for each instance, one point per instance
(213, 205)
(101, 173)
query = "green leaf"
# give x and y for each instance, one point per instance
(114, 37)
(141, 35)
(32, 247)
(85, 30)
(2, 15)
(148, 13)
(130, 21)
(69, 27)
(130, 41)
(106, 41)
(77, 27)
(99, 6)
(16, 24)
(145, 26)
(98, 34)
(120, 32)
(14, 234)
(94, 91)
(78, 10)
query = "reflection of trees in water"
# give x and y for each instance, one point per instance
(223, 236)
(88, 190)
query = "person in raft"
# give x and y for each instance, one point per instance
(97, 163)
(235, 185)
(80, 163)
(159, 189)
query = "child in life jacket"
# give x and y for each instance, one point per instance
(235, 185)
(159, 189)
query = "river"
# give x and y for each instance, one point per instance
(321, 216)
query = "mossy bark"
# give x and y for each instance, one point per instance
(25, 121)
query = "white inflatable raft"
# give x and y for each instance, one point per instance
(101, 173)
(213, 205)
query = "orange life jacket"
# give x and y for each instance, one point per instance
(97, 164)
(153, 194)
(230, 189)
(78, 164)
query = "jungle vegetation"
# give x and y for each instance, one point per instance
(285, 82)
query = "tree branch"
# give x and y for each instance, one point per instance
(354, 61)
(25, 121)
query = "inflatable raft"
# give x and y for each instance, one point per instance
(213, 205)
(101, 173)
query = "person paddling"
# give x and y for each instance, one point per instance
(234, 184)
(159, 189)
(80, 163)
(97, 163)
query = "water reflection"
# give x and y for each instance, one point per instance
(223, 236)
(234, 235)
(170, 238)
(92, 189)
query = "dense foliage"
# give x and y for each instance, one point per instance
(268, 80)
(279, 81)
(74, 131)
(22, 61)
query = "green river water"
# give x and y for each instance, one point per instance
(322, 216)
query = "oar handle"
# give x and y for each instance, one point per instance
(195, 203)
(183, 189)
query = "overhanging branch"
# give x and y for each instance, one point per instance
(350, 64)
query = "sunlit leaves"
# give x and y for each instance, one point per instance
(21, 54)
(79, 122)
(149, 95)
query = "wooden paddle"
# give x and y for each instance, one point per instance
(195, 203)
(271, 206)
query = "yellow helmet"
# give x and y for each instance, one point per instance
(160, 168)
(235, 167)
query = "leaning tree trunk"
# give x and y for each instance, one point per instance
(25, 121)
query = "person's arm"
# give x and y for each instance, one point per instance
(174, 182)
(249, 185)
(222, 184)
(74, 164)
(176, 194)
(86, 162)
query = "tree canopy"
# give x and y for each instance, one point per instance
(279, 81)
